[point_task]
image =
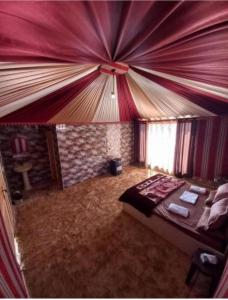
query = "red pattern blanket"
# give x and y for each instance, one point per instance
(147, 194)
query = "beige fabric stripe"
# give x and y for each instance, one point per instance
(23, 77)
(13, 65)
(23, 97)
(147, 87)
(84, 106)
(14, 89)
(166, 102)
(212, 89)
(10, 84)
(143, 104)
(6, 73)
(108, 108)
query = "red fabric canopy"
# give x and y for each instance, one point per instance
(180, 46)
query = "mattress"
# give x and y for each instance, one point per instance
(216, 239)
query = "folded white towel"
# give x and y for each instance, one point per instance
(179, 210)
(189, 197)
(198, 189)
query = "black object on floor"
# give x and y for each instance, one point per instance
(116, 166)
(208, 269)
(16, 196)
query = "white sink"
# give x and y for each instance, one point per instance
(23, 168)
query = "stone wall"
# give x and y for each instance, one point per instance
(40, 172)
(127, 143)
(85, 150)
(82, 151)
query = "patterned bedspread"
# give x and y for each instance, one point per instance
(148, 193)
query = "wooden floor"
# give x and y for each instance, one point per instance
(79, 243)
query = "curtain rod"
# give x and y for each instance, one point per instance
(180, 119)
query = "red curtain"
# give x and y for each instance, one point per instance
(11, 283)
(201, 148)
(185, 138)
(210, 154)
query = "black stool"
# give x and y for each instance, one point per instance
(213, 271)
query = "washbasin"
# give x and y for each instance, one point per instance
(23, 168)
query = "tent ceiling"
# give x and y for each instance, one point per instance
(57, 59)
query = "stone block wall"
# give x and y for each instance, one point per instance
(82, 151)
(85, 150)
(40, 172)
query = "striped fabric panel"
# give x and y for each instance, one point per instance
(108, 108)
(199, 146)
(149, 94)
(206, 148)
(221, 149)
(165, 101)
(213, 150)
(201, 86)
(211, 103)
(84, 106)
(53, 103)
(144, 106)
(127, 106)
(210, 157)
(11, 280)
(29, 88)
(222, 289)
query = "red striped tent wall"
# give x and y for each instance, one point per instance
(222, 289)
(11, 280)
(211, 148)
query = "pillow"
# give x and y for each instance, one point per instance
(210, 198)
(218, 214)
(203, 221)
(222, 192)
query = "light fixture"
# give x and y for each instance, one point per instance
(113, 95)
(113, 84)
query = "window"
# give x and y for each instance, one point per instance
(61, 127)
(161, 141)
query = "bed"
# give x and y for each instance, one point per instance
(179, 231)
